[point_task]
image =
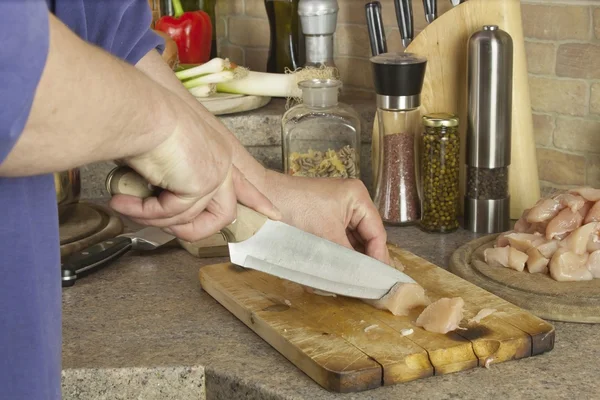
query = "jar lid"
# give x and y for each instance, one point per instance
(320, 92)
(437, 120)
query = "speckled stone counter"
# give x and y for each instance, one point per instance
(143, 329)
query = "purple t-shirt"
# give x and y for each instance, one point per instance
(30, 291)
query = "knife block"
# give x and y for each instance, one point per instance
(444, 44)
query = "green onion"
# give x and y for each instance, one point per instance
(211, 67)
(219, 77)
(203, 90)
(272, 84)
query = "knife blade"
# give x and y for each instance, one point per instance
(375, 28)
(404, 17)
(430, 7)
(281, 250)
(95, 257)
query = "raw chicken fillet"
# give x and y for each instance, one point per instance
(442, 316)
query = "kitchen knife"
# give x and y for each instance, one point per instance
(278, 249)
(404, 16)
(430, 7)
(375, 28)
(99, 255)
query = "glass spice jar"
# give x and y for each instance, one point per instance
(321, 136)
(440, 166)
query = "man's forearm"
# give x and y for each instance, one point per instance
(153, 65)
(88, 107)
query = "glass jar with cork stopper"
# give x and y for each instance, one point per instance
(398, 79)
(321, 136)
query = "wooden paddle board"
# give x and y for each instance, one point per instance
(346, 345)
(537, 293)
(226, 103)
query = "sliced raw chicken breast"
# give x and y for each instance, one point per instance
(565, 222)
(570, 201)
(548, 248)
(505, 257)
(593, 214)
(502, 239)
(544, 210)
(593, 243)
(522, 225)
(577, 241)
(442, 316)
(536, 262)
(524, 241)
(568, 266)
(588, 193)
(593, 264)
(401, 298)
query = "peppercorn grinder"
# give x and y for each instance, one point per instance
(489, 118)
(318, 19)
(398, 79)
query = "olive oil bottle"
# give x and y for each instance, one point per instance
(286, 48)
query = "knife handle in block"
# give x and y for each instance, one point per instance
(124, 180)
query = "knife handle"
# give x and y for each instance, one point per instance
(375, 28)
(124, 180)
(93, 258)
(404, 15)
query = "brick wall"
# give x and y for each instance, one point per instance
(563, 49)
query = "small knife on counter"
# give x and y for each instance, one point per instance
(430, 7)
(278, 249)
(404, 16)
(375, 28)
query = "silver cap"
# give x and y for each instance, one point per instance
(318, 17)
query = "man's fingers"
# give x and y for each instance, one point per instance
(367, 223)
(166, 205)
(248, 195)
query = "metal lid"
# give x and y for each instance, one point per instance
(437, 120)
(312, 8)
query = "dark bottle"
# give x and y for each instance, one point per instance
(286, 48)
(208, 6)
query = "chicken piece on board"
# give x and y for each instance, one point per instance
(571, 201)
(502, 239)
(577, 241)
(442, 316)
(593, 264)
(588, 193)
(524, 241)
(506, 257)
(522, 225)
(565, 222)
(568, 266)
(593, 214)
(593, 243)
(548, 248)
(401, 298)
(544, 210)
(586, 209)
(536, 262)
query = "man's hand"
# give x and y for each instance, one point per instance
(202, 186)
(339, 210)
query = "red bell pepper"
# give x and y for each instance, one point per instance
(191, 31)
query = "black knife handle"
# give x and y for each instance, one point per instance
(430, 7)
(404, 15)
(93, 258)
(375, 28)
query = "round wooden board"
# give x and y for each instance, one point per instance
(226, 103)
(109, 226)
(82, 221)
(537, 293)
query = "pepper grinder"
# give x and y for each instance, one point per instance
(489, 116)
(318, 19)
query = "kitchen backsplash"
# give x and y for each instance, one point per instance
(563, 51)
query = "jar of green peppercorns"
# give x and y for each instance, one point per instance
(440, 152)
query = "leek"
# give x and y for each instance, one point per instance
(203, 90)
(218, 77)
(211, 67)
(272, 84)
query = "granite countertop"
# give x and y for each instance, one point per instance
(143, 328)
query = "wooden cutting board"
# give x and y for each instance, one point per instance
(346, 345)
(537, 293)
(226, 103)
